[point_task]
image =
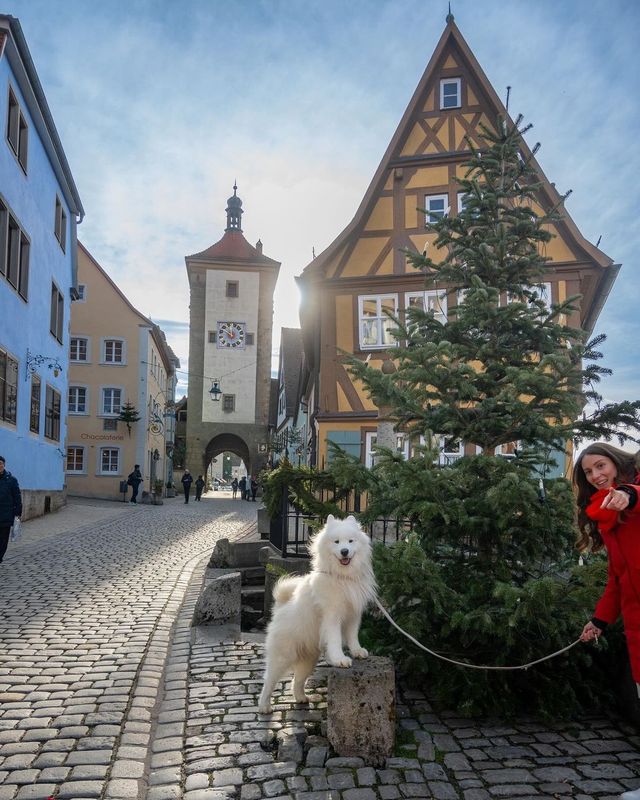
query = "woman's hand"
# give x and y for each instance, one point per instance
(590, 632)
(615, 500)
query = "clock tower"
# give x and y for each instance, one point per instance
(231, 320)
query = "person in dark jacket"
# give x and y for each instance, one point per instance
(199, 487)
(187, 480)
(234, 486)
(10, 505)
(134, 480)
(254, 488)
(242, 486)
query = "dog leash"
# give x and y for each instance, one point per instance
(464, 663)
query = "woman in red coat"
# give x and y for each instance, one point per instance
(607, 483)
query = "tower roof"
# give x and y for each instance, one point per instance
(233, 247)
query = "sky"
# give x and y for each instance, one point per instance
(162, 104)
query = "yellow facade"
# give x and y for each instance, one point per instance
(366, 269)
(117, 356)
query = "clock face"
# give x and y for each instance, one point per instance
(231, 334)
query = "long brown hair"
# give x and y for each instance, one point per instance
(626, 468)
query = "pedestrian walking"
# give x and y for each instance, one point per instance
(134, 480)
(10, 505)
(242, 486)
(254, 488)
(187, 480)
(199, 487)
(234, 486)
(607, 482)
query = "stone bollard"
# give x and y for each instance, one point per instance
(219, 601)
(361, 712)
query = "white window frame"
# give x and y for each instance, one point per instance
(74, 410)
(370, 440)
(87, 342)
(432, 216)
(83, 469)
(448, 455)
(383, 323)
(103, 390)
(428, 297)
(103, 351)
(458, 95)
(110, 472)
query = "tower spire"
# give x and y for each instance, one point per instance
(234, 211)
(450, 16)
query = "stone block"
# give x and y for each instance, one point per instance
(361, 711)
(219, 600)
(264, 523)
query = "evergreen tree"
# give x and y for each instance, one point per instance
(129, 414)
(503, 367)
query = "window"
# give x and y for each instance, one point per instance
(249, 339)
(436, 206)
(75, 459)
(370, 453)
(450, 91)
(232, 288)
(228, 402)
(109, 424)
(450, 450)
(78, 350)
(349, 441)
(434, 301)
(52, 415)
(77, 400)
(57, 313)
(212, 337)
(17, 131)
(14, 252)
(82, 293)
(34, 409)
(8, 388)
(109, 460)
(111, 401)
(114, 351)
(375, 325)
(60, 225)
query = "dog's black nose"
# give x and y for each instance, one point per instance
(344, 552)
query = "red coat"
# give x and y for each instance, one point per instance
(621, 535)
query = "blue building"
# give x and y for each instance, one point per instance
(39, 211)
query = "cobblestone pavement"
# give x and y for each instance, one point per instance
(85, 622)
(107, 692)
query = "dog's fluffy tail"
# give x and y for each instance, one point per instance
(284, 589)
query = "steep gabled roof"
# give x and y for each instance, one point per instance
(452, 39)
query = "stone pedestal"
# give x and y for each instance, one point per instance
(219, 601)
(361, 712)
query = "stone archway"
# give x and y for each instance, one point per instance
(228, 443)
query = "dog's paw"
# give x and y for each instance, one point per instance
(359, 652)
(343, 661)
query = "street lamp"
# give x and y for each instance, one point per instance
(215, 391)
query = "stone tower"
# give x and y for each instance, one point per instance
(231, 320)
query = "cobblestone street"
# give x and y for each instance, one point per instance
(107, 692)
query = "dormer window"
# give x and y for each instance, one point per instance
(450, 93)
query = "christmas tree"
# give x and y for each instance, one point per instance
(497, 366)
(129, 414)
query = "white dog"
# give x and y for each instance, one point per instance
(319, 611)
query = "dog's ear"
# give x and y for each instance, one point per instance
(351, 518)
(331, 518)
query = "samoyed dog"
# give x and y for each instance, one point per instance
(320, 611)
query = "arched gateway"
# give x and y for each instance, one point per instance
(231, 320)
